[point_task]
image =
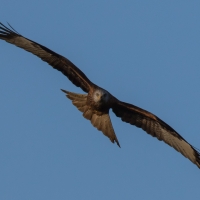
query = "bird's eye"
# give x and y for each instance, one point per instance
(97, 94)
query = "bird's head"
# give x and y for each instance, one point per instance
(101, 96)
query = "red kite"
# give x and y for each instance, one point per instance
(95, 105)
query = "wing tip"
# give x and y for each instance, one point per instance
(197, 155)
(5, 30)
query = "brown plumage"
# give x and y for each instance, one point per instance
(96, 104)
(99, 119)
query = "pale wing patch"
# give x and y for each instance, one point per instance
(156, 128)
(179, 144)
(74, 74)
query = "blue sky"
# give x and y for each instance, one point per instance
(143, 52)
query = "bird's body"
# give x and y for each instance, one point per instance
(95, 105)
(100, 99)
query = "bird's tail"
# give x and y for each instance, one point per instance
(100, 121)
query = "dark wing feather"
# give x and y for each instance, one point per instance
(57, 61)
(157, 128)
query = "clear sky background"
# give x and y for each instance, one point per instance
(144, 52)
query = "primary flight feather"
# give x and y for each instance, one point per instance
(95, 105)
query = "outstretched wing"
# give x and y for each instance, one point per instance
(155, 127)
(101, 121)
(75, 75)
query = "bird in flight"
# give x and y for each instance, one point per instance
(97, 102)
